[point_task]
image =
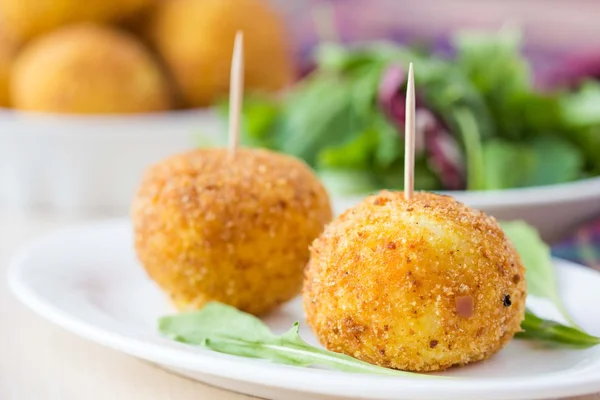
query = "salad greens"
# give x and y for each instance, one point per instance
(482, 125)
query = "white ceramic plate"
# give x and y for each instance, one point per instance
(87, 280)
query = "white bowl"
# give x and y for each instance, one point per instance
(556, 210)
(90, 164)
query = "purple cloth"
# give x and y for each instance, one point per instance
(583, 247)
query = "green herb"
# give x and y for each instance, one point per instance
(260, 118)
(555, 161)
(227, 330)
(333, 57)
(500, 82)
(535, 254)
(581, 113)
(472, 141)
(544, 160)
(582, 108)
(506, 165)
(537, 328)
(348, 181)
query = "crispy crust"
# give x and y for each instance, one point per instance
(9, 46)
(208, 227)
(383, 281)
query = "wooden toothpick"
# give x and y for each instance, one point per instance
(409, 136)
(236, 92)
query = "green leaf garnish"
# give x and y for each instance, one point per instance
(535, 254)
(537, 328)
(225, 329)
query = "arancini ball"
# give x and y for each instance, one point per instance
(8, 51)
(418, 285)
(195, 38)
(210, 227)
(29, 18)
(88, 69)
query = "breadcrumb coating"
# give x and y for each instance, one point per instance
(88, 69)
(417, 285)
(209, 227)
(195, 39)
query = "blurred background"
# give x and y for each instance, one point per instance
(93, 92)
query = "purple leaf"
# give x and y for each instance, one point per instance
(431, 136)
(573, 69)
(391, 99)
(443, 153)
(392, 102)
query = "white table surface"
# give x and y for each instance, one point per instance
(39, 361)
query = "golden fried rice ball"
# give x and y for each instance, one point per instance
(88, 69)
(195, 38)
(417, 285)
(29, 18)
(209, 227)
(8, 51)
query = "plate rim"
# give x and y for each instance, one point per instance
(284, 377)
(566, 192)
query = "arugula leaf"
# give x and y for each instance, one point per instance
(318, 115)
(588, 141)
(581, 113)
(260, 119)
(537, 113)
(555, 161)
(508, 71)
(261, 115)
(500, 81)
(447, 89)
(356, 154)
(364, 86)
(215, 319)
(348, 182)
(506, 165)
(390, 146)
(535, 254)
(543, 161)
(582, 108)
(472, 141)
(537, 328)
(222, 328)
(335, 57)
